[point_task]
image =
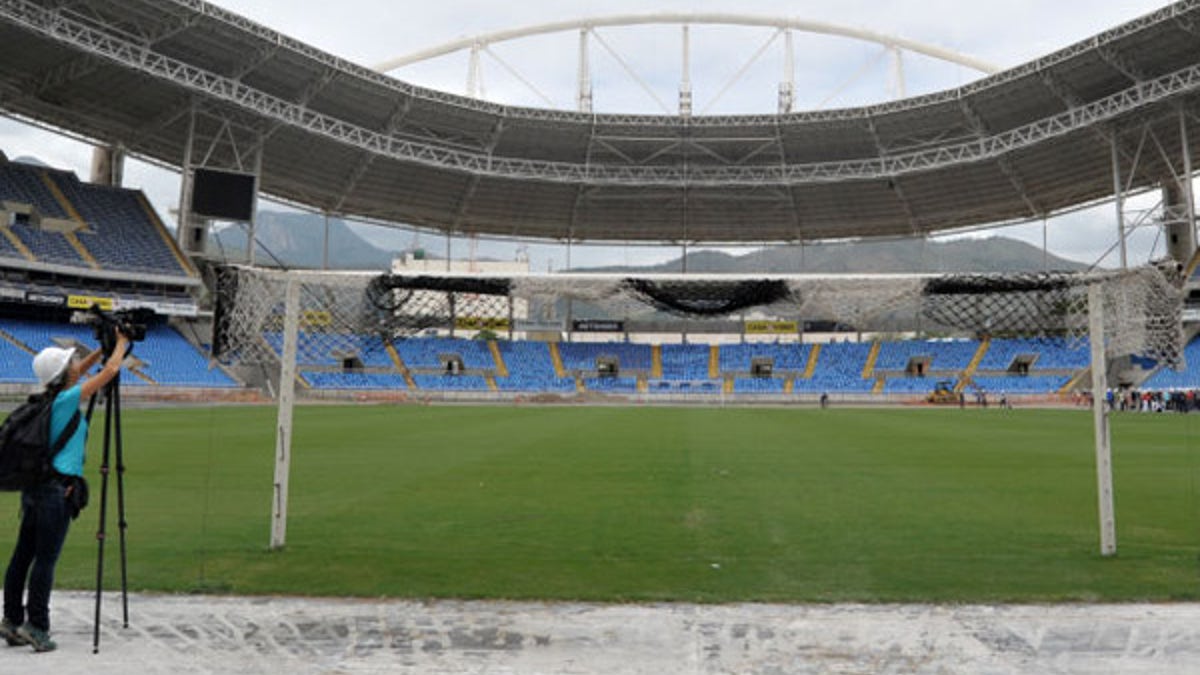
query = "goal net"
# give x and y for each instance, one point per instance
(342, 325)
(352, 318)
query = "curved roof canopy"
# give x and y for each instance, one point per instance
(342, 138)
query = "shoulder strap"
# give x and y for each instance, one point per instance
(67, 433)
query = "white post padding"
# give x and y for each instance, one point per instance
(283, 426)
(1103, 438)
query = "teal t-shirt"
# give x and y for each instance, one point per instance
(70, 460)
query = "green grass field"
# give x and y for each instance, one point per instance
(649, 504)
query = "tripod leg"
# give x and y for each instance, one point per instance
(100, 533)
(121, 522)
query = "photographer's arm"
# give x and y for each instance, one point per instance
(111, 367)
(90, 360)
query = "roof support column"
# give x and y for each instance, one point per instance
(189, 241)
(108, 165)
(1188, 193)
(252, 241)
(1119, 194)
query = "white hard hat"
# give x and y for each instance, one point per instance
(50, 363)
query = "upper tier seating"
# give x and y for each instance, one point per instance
(120, 234)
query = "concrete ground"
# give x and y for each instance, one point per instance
(203, 634)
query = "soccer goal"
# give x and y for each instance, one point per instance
(346, 325)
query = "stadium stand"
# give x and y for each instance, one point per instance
(1188, 378)
(450, 382)
(582, 356)
(1021, 384)
(353, 380)
(427, 353)
(758, 385)
(944, 355)
(685, 362)
(839, 369)
(165, 357)
(738, 358)
(1049, 353)
(120, 234)
(530, 368)
(621, 385)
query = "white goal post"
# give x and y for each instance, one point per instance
(269, 321)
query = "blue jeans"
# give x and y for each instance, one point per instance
(44, 521)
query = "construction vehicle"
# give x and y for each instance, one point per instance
(943, 392)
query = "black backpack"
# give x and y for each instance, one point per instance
(26, 455)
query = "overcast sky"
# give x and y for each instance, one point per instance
(829, 72)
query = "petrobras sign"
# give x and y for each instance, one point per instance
(44, 298)
(597, 326)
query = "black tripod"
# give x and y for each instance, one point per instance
(112, 430)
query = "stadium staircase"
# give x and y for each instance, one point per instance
(789, 384)
(8, 337)
(811, 366)
(714, 362)
(165, 234)
(872, 357)
(501, 368)
(556, 359)
(72, 214)
(395, 356)
(17, 243)
(656, 364)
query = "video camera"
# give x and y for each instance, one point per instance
(131, 322)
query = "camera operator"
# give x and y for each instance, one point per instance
(47, 508)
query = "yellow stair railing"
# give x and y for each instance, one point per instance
(556, 359)
(501, 367)
(869, 366)
(813, 356)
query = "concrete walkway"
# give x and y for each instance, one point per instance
(173, 634)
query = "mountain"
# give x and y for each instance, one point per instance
(297, 240)
(992, 254)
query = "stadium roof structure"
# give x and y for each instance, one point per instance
(186, 83)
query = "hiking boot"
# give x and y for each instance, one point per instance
(8, 631)
(37, 637)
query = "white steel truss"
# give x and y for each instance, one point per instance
(134, 55)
